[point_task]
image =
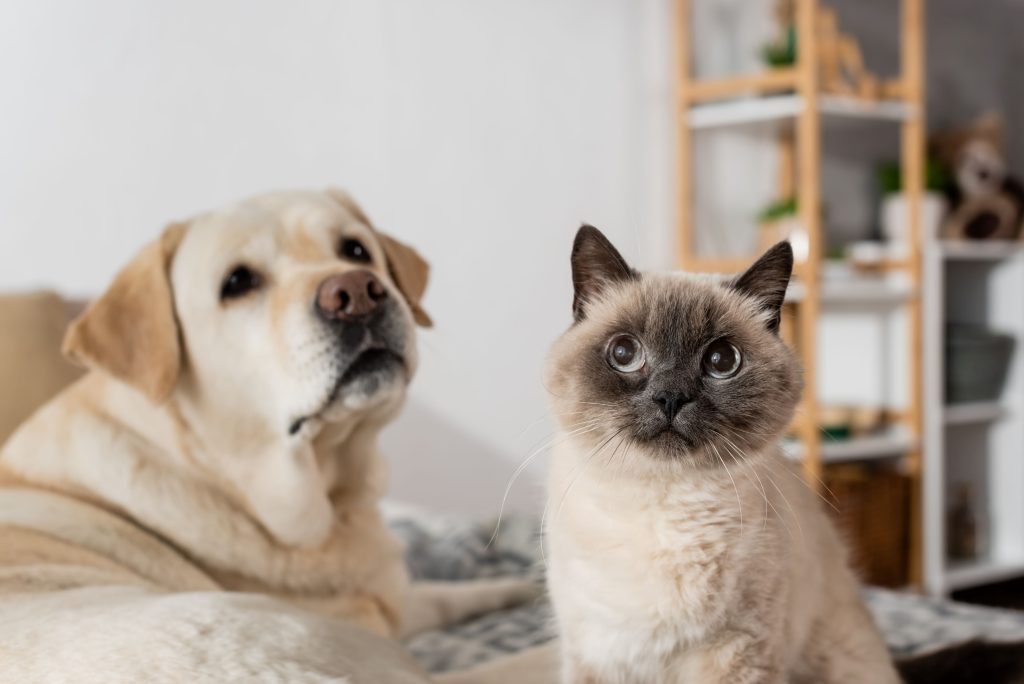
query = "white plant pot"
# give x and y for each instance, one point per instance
(788, 228)
(895, 218)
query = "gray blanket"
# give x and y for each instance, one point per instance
(452, 549)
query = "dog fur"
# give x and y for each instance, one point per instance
(203, 504)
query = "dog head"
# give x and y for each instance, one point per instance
(278, 331)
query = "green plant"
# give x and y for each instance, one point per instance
(890, 177)
(778, 209)
(782, 52)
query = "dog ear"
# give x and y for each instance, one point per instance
(131, 331)
(407, 268)
(410, 272)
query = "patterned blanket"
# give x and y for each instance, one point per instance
(452, 549)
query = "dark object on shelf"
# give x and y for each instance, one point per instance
(873, 513)
(840, 423)
(890, 177)
(976, 363)
(986, 200)
(962, 529)
(782, 52)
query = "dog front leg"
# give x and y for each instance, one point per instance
(364, 610)
(537, 665)
(430, 605)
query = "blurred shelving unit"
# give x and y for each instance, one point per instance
(977, 444)
(793, 97)
(893, 443)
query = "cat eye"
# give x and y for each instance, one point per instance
(722, 359)
(239, 282)
(625, 354)
(354, 250)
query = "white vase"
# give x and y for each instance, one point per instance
(786, 228)
(895, 218)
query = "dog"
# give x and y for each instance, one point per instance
(203, 504)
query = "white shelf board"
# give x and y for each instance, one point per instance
(965, 574)
(974, 412)
(877, 291)
(890, 444)
(781, 107)
(981, 250)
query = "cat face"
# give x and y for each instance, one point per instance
(677, 366)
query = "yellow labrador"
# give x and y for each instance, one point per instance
(203, 505)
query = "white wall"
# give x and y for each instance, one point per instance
(483, 131)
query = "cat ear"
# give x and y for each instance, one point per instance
(595, 265)
(767, 280)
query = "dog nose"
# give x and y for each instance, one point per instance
(670, 401)
(349, 296)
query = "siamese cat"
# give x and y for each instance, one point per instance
(682, 546)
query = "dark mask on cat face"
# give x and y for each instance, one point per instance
(679, 365)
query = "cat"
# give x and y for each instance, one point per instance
(682, 545)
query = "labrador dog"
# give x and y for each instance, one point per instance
(203, 504)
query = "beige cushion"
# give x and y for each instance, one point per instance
(31, 366)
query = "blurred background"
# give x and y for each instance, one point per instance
(484, 132)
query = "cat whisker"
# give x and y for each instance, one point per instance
(526, 462)
(767, 500)
(737, 489)
(735, 450)
(577, 471)
(590, 457)
(545, 416)
(785, 500)
(615, 451)
(625, 453)
(800, 478)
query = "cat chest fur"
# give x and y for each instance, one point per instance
(679, 546)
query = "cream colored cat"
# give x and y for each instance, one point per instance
(682, 545)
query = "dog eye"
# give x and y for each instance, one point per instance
(354, 250)
(722, 360)
(239, 282)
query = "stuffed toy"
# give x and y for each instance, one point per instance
(986, 202)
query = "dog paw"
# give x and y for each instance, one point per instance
(512, 592)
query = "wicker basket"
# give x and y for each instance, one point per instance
(874, 517)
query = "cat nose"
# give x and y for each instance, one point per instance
(670, 401)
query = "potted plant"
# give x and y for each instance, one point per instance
(780, 221)
(894, 211)
(781, 52)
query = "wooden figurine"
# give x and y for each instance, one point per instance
(986, 200)
(842, 64)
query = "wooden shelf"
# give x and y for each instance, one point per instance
(893, 443)
(973, 413)
(790, 107)
(965, 574)
(750, 84)
(786, 107)
(989, 250)
(857, 291)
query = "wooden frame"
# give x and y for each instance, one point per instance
(800, 156)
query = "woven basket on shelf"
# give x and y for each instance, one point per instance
(874, 517)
